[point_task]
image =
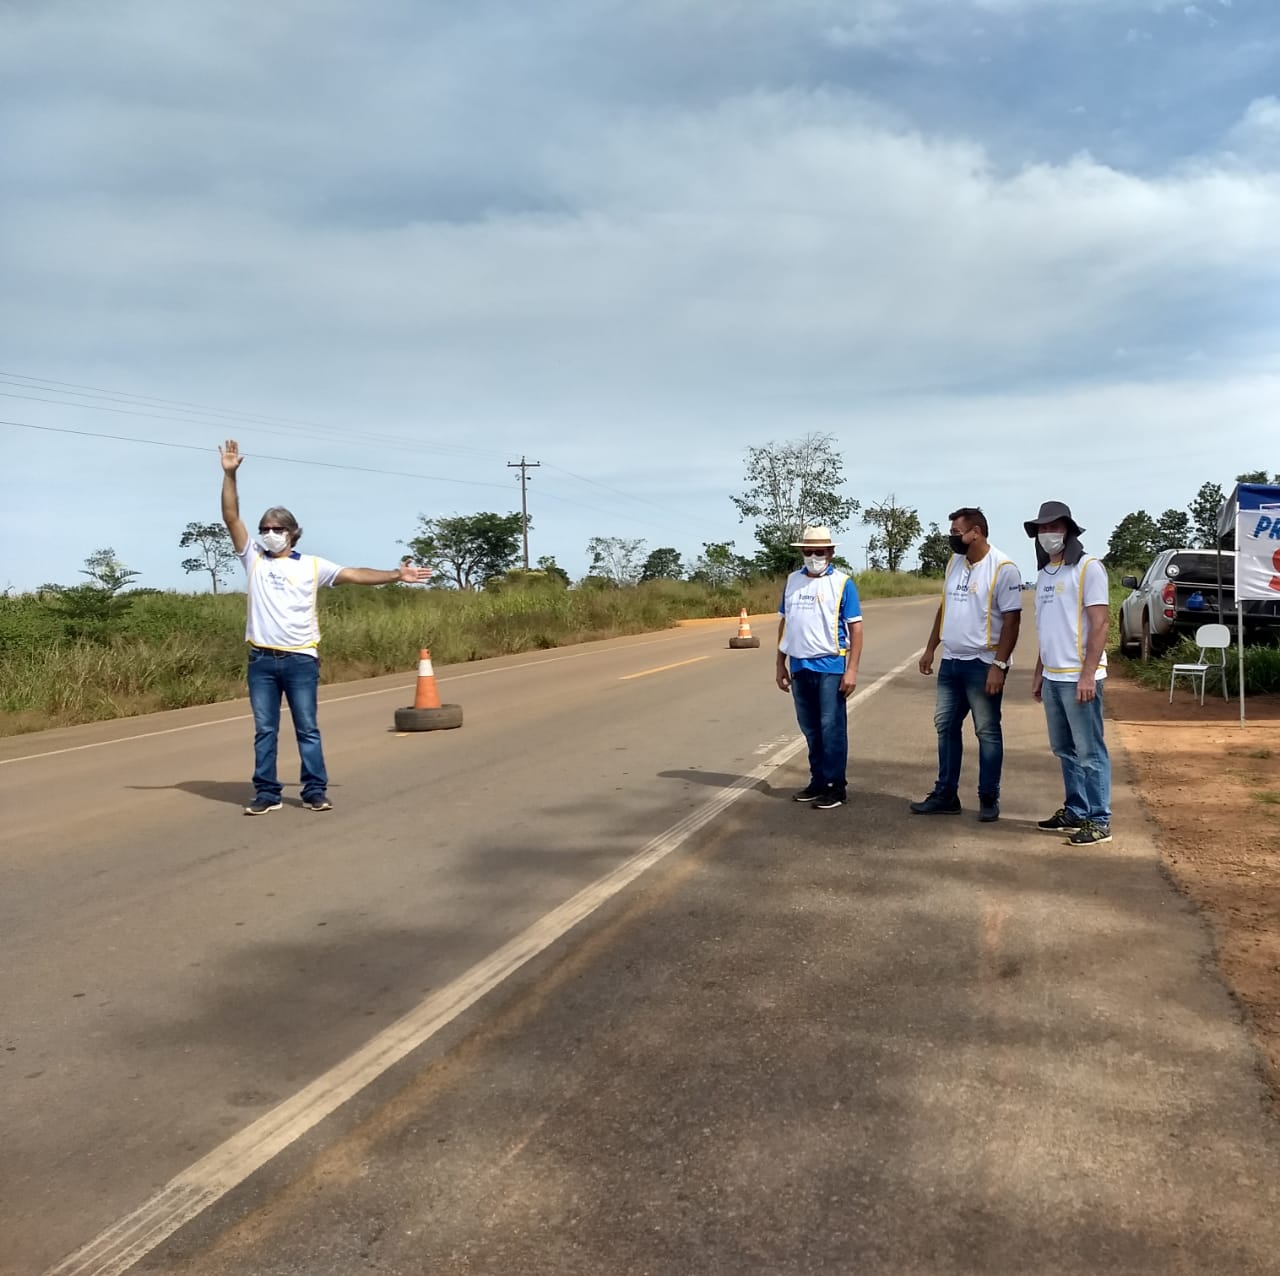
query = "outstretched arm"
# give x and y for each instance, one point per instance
(406, 572)
(231, 461)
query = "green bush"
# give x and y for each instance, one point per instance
(1261, 668)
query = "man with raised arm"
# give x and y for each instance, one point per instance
(283, 633)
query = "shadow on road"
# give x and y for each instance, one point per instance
(721, 780)
(236, 792)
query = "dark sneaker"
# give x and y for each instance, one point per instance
(320, 803)
(829, 799)
(937, 804)
(1090, 833)
(1059, 822)
(988, 810)
(808, 794)
(260, 806)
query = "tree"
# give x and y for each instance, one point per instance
(217, 553)
(876, 561)
(1257, 476)
(719, 565)
(106, 571)
(1204, 514)
(1133, 542)
(935, 552)
(467, 549)
(898, 528)
(1173, 531)
(662, 564)
(90, 611)
(554, 571)
(615, 558)
(791, 486)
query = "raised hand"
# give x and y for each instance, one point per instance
(231, 458)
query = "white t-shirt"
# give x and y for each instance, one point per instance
(973, 600)
(1062, 594)
(282, 598)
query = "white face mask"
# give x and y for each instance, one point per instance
(1051, 542)
(273, 542)
(815, 564)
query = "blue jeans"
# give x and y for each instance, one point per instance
(1075, 736)
(962, 690)
(823, 715)
(296, 677)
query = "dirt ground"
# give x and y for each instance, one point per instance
(1213, 788)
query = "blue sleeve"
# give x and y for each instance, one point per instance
(850, 604)
(782, 604)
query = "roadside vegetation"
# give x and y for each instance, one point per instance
(152, 651)
(1261, 661)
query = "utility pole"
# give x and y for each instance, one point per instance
(524, 467)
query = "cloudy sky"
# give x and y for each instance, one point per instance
(1002, 250)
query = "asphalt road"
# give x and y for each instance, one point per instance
(430, 1032)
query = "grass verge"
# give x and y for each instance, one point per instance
(171, 651)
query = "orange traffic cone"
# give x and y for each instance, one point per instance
(745, 637)
(426, 696)
(427, 713)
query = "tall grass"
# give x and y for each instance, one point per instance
(173, 650)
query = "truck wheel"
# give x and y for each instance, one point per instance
(1127, 644)
(441, 719)
(1144, 643)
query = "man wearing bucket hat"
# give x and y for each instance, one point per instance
(820, 634)
(1072, 619)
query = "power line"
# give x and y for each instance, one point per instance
(288, 430)
(294, 460)
(128, 397)
(286, 426)
(284, 460)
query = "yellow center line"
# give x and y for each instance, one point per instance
(644, 673)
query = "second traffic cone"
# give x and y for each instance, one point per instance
(744, 638)
(426, 696)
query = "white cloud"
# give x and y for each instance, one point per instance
(1256, 135)
(451, 241)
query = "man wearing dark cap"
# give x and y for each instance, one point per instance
(1072, 619)
(283, 633)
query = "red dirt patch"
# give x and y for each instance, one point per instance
(1214, 790)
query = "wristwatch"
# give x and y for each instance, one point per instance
(1002, 665)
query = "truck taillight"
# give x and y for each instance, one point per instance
(1169, 596)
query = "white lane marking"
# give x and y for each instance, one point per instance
(358, 695)
(113, 1251)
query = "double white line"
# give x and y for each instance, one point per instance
(129, 1240)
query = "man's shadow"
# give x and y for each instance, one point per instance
(719, 780)
(235, 792)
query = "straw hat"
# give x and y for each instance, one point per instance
(814, 538)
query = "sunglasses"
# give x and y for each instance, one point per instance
(272, 529)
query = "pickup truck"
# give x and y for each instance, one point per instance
(1178, 594)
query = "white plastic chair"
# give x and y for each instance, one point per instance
(1210, 638)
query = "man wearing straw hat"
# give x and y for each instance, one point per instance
(820, 633)
(283, 631)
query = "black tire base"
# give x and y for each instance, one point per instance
(441, 719)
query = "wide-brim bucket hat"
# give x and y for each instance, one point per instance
(814, 538)
(1050, 512)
